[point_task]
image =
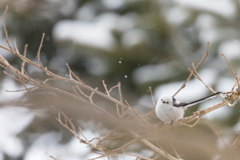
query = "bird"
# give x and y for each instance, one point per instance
(169, 109)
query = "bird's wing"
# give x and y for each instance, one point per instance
(183, 104)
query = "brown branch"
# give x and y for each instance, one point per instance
(20, 90)
(172, 146)
(120, 92)
(118, 112)
(137, 115)
(105, 86)
(49, 79)
(154, 148)
(91, 95)
(71, 72)
(214, 128)
(15, 44)
(39, 50)
(149, 113)
(190, 75)
(234, 103)
(110, 90)
(229, 152)
(82, 92)
(5, 30)
(150, 89)
(122, 149)
(26, 79)
(50, 156)
(198, 77)
(117, 154)
(234, 74)
(184, 124)
(236, 143)
(23, 63)
(80, 130)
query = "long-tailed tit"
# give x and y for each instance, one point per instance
(168, 106)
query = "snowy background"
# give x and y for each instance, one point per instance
(140, 43)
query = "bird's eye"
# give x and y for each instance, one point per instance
(167, 102)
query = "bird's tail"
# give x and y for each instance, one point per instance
(199, 101)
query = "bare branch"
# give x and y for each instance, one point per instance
(234, 74)
(23, 63)
(71, 72)
(214, 128)
(118, 112)
(171, 144)
(233, 148)
(91, 95)
(234, 103)
(122, 149)
(39, 50)
(79, 128)
(137, 115)
(154, 148)
(51, 156)
(21, 89)
(149, 113)
(82, 92)
(5, 30)
(236, 143)
(190, 75)
(77, 84)
(105, 86)
(150, 89)
(110, 90)
(15, 44)
(120, 92)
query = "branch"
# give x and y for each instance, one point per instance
(150, 89)
(234, 74)
(190, 75)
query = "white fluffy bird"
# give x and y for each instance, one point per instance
(168, 106)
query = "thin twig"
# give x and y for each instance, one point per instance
(23, 63)
(79, 128)
(150, 89)
(190, 75)
(214, 128)
(184, 124)
(39, 50)
(79, 80)
(234, 103)
(5, 30)
(137, 115)
(120, 92)
(154, 148)
(91, 95)
(171, 144)
(105, 86)
(82, 92)
(234, 74)
(21, 89)
(110, 90)
(50, 156)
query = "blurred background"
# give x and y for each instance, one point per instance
(139, 43)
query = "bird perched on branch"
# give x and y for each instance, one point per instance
(169, 109)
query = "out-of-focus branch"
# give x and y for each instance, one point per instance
(122, 108)
(234, 148)
(234, 74)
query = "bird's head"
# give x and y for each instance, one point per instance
(166, 99)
